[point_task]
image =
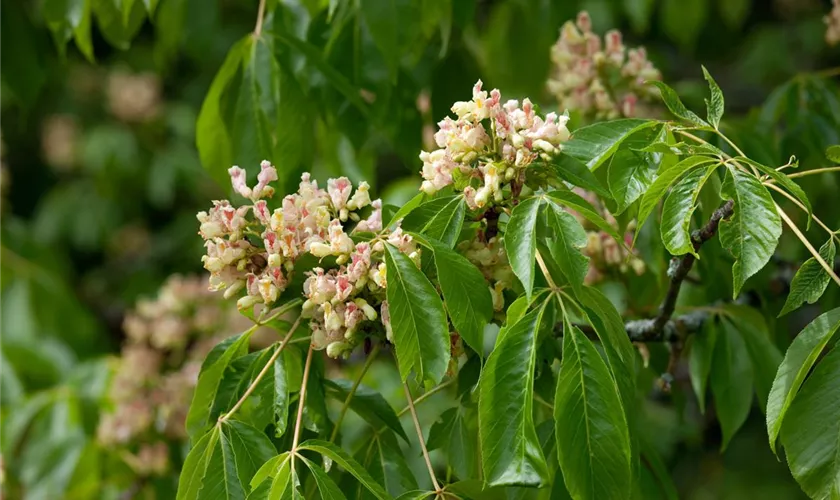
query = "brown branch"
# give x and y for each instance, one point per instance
(665, 327)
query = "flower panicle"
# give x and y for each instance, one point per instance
(600, 78)
(488, 145)
(252, 251)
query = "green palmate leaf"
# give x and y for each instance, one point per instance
(271, 118)
(782, 180)
(406, 209)
(609, 326)
(511, 452)
(421, 333)
(441, 219)
(585, 209)
(566, 241)
(731, 378)
(368, 404)
(811, 431)
(223, 461)
(281, 395)
(677, 211)
(212, 133)
(269, 469)
(663, 182)
(753, 231)
(387, 466)
(832, 153)
(316, 57)
(209, 378)
(452, 433)
(675, 105)
(466, 295)
(572, 170)
(521, 241)
(810, 280)
(764, 355)
(326, 486)
(594, 144)
(799, 358)
(714, 105)
(593, 440)
(282, 486)
(344, 460)
(700, 359)
(628, 176)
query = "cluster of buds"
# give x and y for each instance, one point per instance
(253, 249)
(599, 80)
(832, 21)
(166, 340)
(606, 255)
(488, 146)
(342, 302)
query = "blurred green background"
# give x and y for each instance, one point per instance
(101, 178)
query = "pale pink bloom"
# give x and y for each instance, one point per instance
(343, 287)
(319, 287)
(361, 198)
(373, 223)
(339, 191)
(237, 179)
(267, 174)
(276, 275)
(353, 315)
(261, 212)
(584, 22)
(359, 261)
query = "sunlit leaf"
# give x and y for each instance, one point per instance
(594, 144)
(678, 209)
(731, 378)
(811, 431)
(521, 241)
(421, 332)
(753, 231)
(714, 105)
(810, 281)
(675, 105)
(593, 441)
(798, 361)
(466, 295)
(511, 453)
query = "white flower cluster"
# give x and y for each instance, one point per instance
(488, 145)
(310, 220)
(166, 341)
(342, 302)
(602, 81)
(254, 248)
(832, 21)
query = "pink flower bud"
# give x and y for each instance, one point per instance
(237, 179)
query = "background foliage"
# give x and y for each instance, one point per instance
(111, 108)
